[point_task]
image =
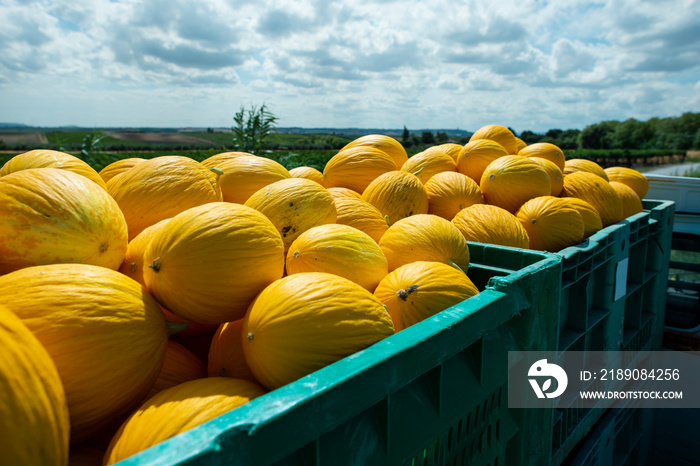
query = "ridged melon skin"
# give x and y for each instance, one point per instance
(483, 223)
(631, 177)
(132, 266)
(244, 174)
(450, 192)
(631, 203)
(293, 206)
(180, 365)
(416, 291)
(597, 192)
(226, 358)
(356, 167)
(556, 177)
(547, 151)
(208, 263)
(476, 155)
(308, 173)
(104, 331)
(341, 250)
(40, 158)
(510, 181)
(428, 163)
(360, 214)
(49, 215)
(397, 195)
(117, 168)
(425, 237)
(179, 409)
(552, 223)
(584, 165)
(498, 133)
(34, 423)
(589, 214)
(161, 188)
(386, 144)
(306, 321)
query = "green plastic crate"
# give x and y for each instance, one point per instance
(435, 393)
(613, 298)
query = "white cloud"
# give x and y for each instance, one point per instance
(528, 64)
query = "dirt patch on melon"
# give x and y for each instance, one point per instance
(160, 138)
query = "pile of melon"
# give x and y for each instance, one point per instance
(275, 273)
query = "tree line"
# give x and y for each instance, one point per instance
(672, 133)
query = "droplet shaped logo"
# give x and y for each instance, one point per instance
(546, 372)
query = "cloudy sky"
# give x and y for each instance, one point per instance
(527, 64)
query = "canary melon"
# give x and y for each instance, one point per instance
(119, 167)
(356, 167)
(551, 223)
(179, 365)
(341, 250)
(556, 177)
(590, 216)
(386, 144)
(428, 163)
(161, 188)
(547, 151)
(476, 155)
(397, 195)
(631, 203)
(309, 173)
(631, 178)
(419, 290)
(225, 357)
(425, 237)
(49, 215)
(498, 133)
(583, 165)
(362, 215)
(306, 321)
(483, 223)
(510, 181)
(597, 192)
(34, 422)
(40, 158)
(209, 262)
(450, 192)
(104, 331)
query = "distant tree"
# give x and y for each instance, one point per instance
(597, 136)
(696, 141)
(441, 137)
(427, 137)
(529, 137)
(513, 131)
(553, 133)
(406, 136)
(252, 127)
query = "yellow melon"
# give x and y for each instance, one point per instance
(309, 173)
(341, 250)
(520, 144)
(498, 133)
(424, 238)
(226, 358)
(510, 181)
(119, 167)
(244, 175)
(583, 165)
(589, 214)
(356, 167)
(223, 157)
(40, 158)
(545, 150)
(551, 223)
(476, 155)
(556, 177)
(450, 192)
(397, 195)
(338, 193)
(428, 163)
(306, 321)
(483, 223)
(631, 203)
(48, 216)
(293, 206)
(161, 188)
(132, 266)
(362, 215)
(597, 192)
(208, 263)
(34, 423)
(631, 178)
(105, 333)
(387, 144)
(179, 409)
(179, 365)
(450, 148)
(419, 290)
